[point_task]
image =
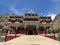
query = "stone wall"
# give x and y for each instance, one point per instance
(56, 22)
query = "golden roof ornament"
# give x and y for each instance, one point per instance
(30, 11)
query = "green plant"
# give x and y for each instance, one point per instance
(57, 30)
(58, 34)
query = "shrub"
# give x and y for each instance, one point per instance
(57, 30)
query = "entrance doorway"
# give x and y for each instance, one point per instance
(30, 32)
(41, 28)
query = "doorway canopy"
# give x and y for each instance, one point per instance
(32, 26)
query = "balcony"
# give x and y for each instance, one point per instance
(34, 22)
(30, 17)
(15, 21)
(44, 23)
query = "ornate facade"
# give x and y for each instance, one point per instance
(29, 23)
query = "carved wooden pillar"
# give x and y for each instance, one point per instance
(6, 34)
(16, 32)
(53, 33)
(45, 32)
(37, 29)
(24, 29)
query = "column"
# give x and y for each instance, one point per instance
(37, 29)
(16, 32)
(6, 34)
(24, 29)
(45, 32)
(53, 33)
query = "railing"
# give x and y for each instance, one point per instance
(31, 21)
(50, 34)
(14, 34)
(30, 16)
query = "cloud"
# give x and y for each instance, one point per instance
(13, 10)
(24, 10)
(19, 12)
(52, 16)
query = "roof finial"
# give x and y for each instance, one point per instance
(30, 11)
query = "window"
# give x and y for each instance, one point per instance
(31, 19)
(25, 14)
(36, 14)
(12, 21)
(29, 14)
(10, 17)
(32, 14)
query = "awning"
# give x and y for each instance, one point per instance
(13, 27)
(31, 26)
(41, 27)
(20, 27)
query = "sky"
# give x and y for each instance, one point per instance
(20, 7)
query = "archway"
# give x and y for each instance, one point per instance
(41, 28)
(20, 29)
(30, 32)
(31, 29)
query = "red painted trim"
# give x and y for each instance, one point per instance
(37, 29)
(16, 32)
(24, 30)
(9, 20)
(54, 34)
(6, 35)
(45, 32)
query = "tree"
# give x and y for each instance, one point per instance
(57, 30)
(58, 36)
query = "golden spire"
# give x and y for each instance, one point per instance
(30, 11)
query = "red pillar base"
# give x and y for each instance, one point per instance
(54, 34)
(45, 32)
(16, 32)
(6, 35)
(24, 30)
(37, 29)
